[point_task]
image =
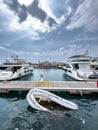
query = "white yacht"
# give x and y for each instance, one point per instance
(15, 69)
(94, 68)
(79, 67)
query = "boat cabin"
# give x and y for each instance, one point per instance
(81, 62)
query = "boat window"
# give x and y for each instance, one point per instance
(97, 68)
(75, 66)
(68, 66)
(82, 60)
(3, 68)
(25, 68)
(13, 68)
(94, 67)
(16, 68)
(9, 69)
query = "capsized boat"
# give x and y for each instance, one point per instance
(44, 95)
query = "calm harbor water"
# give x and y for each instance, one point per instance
(48, 74)
(16, 114)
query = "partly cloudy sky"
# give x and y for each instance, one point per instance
(53, 30)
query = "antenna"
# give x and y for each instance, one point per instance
(15, 57)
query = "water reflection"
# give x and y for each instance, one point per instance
(49, 74)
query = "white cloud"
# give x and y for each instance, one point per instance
(9, 19)
(34, 35)
(74, 49)
(37, 54)
(70, 11)
(59, 52)
(2, 48)
(25, 2)
(93, 50)
(56, 53)
(31, 24)
(84, 37)
(85, 16)
(5, 49)
(44, 5)
(14, 51)
(14, 40)
(80, 49)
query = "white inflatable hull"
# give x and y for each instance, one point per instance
(45, 95)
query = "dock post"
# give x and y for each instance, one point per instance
(81, 93)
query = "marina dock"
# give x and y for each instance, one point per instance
(73, 87)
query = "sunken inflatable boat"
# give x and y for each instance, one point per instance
(36, 95)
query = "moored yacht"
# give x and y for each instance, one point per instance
(15, 69)
(78, 67)
(94, 68)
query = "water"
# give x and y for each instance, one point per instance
(16, 114)
(49, 74)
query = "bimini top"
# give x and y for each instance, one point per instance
(45, 95)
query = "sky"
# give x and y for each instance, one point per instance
(48, 30)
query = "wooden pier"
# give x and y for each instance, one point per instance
(73, 87)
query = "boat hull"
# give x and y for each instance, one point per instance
(45, 95)
(9, 75)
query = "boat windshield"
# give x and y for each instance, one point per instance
(81, 60)
(68, 66)
(95, 67)
(3, 68)
(75, 66)
(13, 68)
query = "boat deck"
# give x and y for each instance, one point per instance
(69, 86)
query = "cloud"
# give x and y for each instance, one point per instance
(93, 50)
(3, 48)
(59, 52)
(56, 53)
(33, 16)
(8, 19)
(85, 37)
(25, 2)
(6, 49)
(74, 49)
(44, 5)
(31, 26)
(10, 51)
(15, 39)
(86, 16)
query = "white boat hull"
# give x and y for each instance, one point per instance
(45, 95)
(9, 75)
(75, 76)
